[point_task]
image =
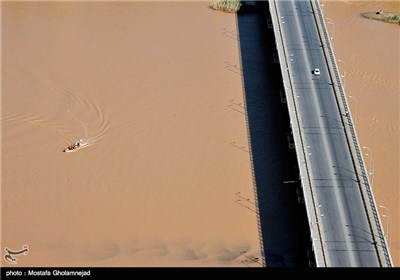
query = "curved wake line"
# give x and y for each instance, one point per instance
(91, 107)
(34, 120)
(81, 115)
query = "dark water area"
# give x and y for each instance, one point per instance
(283, 219)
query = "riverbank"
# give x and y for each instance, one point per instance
(384, 16)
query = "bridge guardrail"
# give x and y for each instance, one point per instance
(295, 120)
(352, 139)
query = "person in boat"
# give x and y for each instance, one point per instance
(72, 146)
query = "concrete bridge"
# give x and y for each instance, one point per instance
(345, 227)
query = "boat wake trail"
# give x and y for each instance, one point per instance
(74, 116)
(90, 122)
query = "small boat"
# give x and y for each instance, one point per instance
(72, 147)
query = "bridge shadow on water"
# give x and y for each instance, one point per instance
(283, 220)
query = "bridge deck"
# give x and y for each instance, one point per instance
(340, 218)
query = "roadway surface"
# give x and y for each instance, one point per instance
(345, 230)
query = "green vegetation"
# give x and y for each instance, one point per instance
(394, 18)
(384, 16)
(229, 6)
